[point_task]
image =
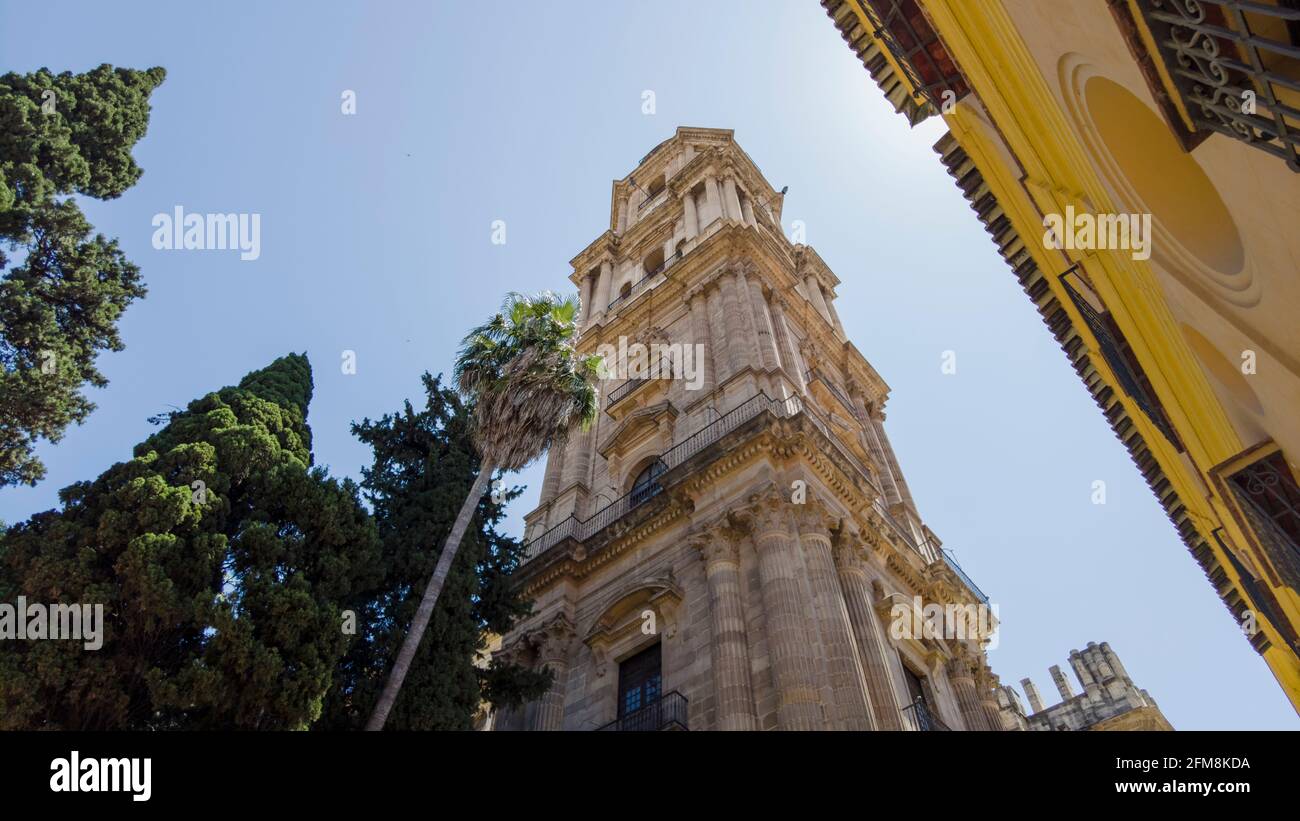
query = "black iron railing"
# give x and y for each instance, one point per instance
(1233, 62)
(1270, 501)
(902, 28)
(652, 200)
(961, 574)
(668, 712)
(1131, 381)
(571, 527)
(640, 284)
(840, 395)
(923, 718)
(623, 391)
(582, 529)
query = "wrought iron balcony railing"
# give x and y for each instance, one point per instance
(1235, 65)
(623, 391)
(640, 284)
(961, 574)
(1270, 501)
(1131, 380)
(582, 529)
(668, 712)
(840, 395)
(920, 54)
(923, 718)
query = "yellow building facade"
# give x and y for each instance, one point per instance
(1136, 163)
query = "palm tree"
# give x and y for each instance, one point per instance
(528, 387)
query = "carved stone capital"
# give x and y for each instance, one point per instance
(553, 639)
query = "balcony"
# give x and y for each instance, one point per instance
(666, 713)
(918, 712)
(583, 529)
(961, 574)
(840, 396)
(917, 50)
(1115, 350)
(1233, 64)
(640, 284)
(623, 391)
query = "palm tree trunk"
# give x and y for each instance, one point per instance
(421, 621)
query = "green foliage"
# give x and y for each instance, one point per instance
(60, 304)
(223, 561)
(424, 464)
(526, 381)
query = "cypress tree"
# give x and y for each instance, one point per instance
(59, 305)
(424, 464)
(223, 561)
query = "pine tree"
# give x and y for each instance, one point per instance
(59, 305)
(223, 560)
(424, 464)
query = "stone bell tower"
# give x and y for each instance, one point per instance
(731, 544)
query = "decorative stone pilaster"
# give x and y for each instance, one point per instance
(691, 216)
(734, 695)
(961, 676)
(888, 485)
(553, 641)
(869, 636)
(699, 306)
(762, 322)
(905, 495)
(732, 199)
(848, 681)
(788, 637)
(786, 344)
(987, 686)
(739, 342)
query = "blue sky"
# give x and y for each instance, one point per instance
(376, 238)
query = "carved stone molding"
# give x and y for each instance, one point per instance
(553, 638)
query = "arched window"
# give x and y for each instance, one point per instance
(647, 484)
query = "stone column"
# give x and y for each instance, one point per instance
(731, 199)
(739, 342)
(1031, 693)
(553, 642)
(621, 220)
(788, 639)
(835, 317)
(786, 345)
(962, 678)
(554, 472)
(1062, 683)
(577, 459)
(691, 219)
(870, 639)
(848, 681)
(699, 307)
(986, 684)
(747, 208)
(602, 286)
(586, 289)
(904, 493)
(889, 486)
(719, 350)
(719, 547)
(814, 293)
(712, 201)
(763, 324)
